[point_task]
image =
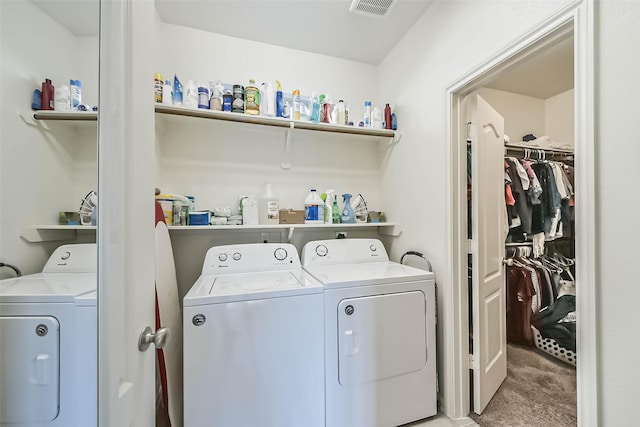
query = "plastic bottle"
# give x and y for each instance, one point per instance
(167, 92)
(215, 93)
(367, 114)
(158, 82)
(346, 115)
(47, 95)
(335, 211)
(62, 101)
(190, 98)
(312, 207)
(328, 206)
(326, 108)
(279, 101)
(237, 104)
(340, 117)
(177, 90)
(376, 118)
(314, 107)
(394, 121)
(268, 206)
(268, 100)
(75, 93)
(296, 104)
(387, 117)
(227, 99)
(252, 98)
(347, 216)
(203, 96)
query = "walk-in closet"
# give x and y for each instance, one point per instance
(535, 98)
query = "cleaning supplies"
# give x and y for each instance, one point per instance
(387, 117)
(296, 104)
(190, 99)
(376, 118)
(340, 115)
(314, 107)
(269, 100)
(216, 89)
(335, 211)
(367, 114)
(167, 92)
(158, 82)
(75, 93)
(252, 98)
(268, 206)
(347, 216)
(313, 208)
(203, 96)
(279, 101)
(47, 94)
(177, 90)
(328, 205)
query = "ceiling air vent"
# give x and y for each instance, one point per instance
(375, 8)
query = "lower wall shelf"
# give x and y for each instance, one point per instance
(49, 233)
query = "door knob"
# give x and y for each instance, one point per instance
(159, 338)
(507, 261)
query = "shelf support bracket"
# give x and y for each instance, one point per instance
(396, 138)
(290, 236)
(285, 159)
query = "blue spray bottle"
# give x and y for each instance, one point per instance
(347, 216)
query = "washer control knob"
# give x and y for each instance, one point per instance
(280, 254)
(222, 257)
(66, 256)
(321, 250)
(373, 248)
(237, 256)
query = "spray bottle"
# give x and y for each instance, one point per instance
(279, 104)
(328, 198)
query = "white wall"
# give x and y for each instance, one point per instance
(559, 118)
(448, 41)
(522, 114)
(216, 162)
(617, 152)
(38, 174)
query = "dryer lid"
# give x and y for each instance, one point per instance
(211, 289)
(347, 275)
(49, 288)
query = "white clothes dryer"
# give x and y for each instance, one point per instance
(254, 340)
(380, 347)
(48, 340)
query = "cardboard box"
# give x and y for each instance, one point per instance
(291, 216)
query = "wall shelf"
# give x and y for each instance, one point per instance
(49, 233)
(272, 121)
(66, 115)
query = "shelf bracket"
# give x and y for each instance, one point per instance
(285, 159)
(393, 231)
(33, 235)
(396, 138)
(290, 236)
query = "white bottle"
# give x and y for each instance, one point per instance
(62, 98)
(268, 107)
(340, 119)
(313, 208)
(367, 114)
(167, 92)
(328, 206)
(268, 206)
(190, 95)
(75, 92)
(250, 213)
(376, 118)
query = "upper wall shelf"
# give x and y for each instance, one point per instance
(272, 121)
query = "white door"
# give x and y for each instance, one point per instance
(489, 360)
(126, 376)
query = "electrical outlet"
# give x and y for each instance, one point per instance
(264, 237)
(341, 234)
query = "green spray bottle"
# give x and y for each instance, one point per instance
(335, 211)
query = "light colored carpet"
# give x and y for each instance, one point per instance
(539, 391)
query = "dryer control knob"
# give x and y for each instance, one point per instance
(222, 257)
(321, 250)
(373, 248)
(237, 256)
(280, 254)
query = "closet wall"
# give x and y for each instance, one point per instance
(44, 167)
(523, 114)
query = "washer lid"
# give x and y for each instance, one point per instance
(48, 288)
(211, 289)
(374, 273)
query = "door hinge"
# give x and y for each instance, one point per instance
(472, 362)
(469, 246)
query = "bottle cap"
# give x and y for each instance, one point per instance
(367, 103)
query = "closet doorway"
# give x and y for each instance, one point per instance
(521, 145)
(568, 27)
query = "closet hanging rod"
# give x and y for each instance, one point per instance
(515, 244)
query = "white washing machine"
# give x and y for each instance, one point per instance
(48, 329)
(254, 340)
(380, 354)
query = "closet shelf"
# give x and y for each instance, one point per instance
(51, 233)
(66, 115)
(272, 121)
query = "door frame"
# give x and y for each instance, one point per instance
(579, 18)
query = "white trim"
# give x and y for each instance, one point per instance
(577, 17)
